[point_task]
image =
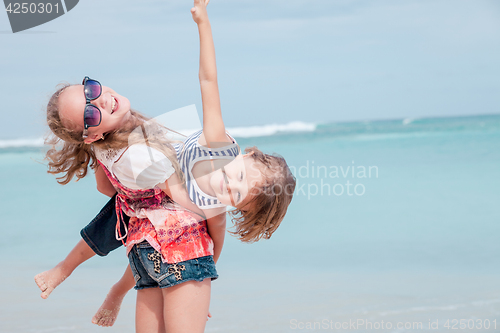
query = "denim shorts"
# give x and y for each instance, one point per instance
(150, 271)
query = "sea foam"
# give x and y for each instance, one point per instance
(23, 142)
(266, 130)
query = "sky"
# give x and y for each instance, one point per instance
(314, 61)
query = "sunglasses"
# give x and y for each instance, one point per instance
(92, 116)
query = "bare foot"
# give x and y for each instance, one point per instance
(108, 312)
(49, 280)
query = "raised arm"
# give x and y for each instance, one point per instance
(213, 125)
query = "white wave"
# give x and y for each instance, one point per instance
(266, 130)
(16, 143)
(407, 121)
(186, 121)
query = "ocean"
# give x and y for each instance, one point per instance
(394, 227)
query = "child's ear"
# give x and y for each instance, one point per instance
(92, 138)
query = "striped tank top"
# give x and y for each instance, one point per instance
(191, 152)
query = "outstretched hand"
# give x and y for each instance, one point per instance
(199, 11)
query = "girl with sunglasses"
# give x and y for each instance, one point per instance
(166, 229)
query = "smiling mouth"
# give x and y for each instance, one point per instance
(114, 104)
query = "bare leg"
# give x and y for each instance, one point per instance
(185, 306)
(149, 311)
(108, 312)
(49, 280)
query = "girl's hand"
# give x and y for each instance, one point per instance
(199, 11)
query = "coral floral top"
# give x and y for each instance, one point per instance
(176, 233)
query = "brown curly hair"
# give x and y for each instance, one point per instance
(70, 156)
(263, 214)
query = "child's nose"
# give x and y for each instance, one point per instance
(235, 185)
(101, 103)
(230, 184)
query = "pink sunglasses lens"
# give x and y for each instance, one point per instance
(92, 89)
(92, 116)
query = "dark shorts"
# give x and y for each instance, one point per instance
(150, 272)
(99, 234)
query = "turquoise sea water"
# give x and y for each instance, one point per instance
(411, 236)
